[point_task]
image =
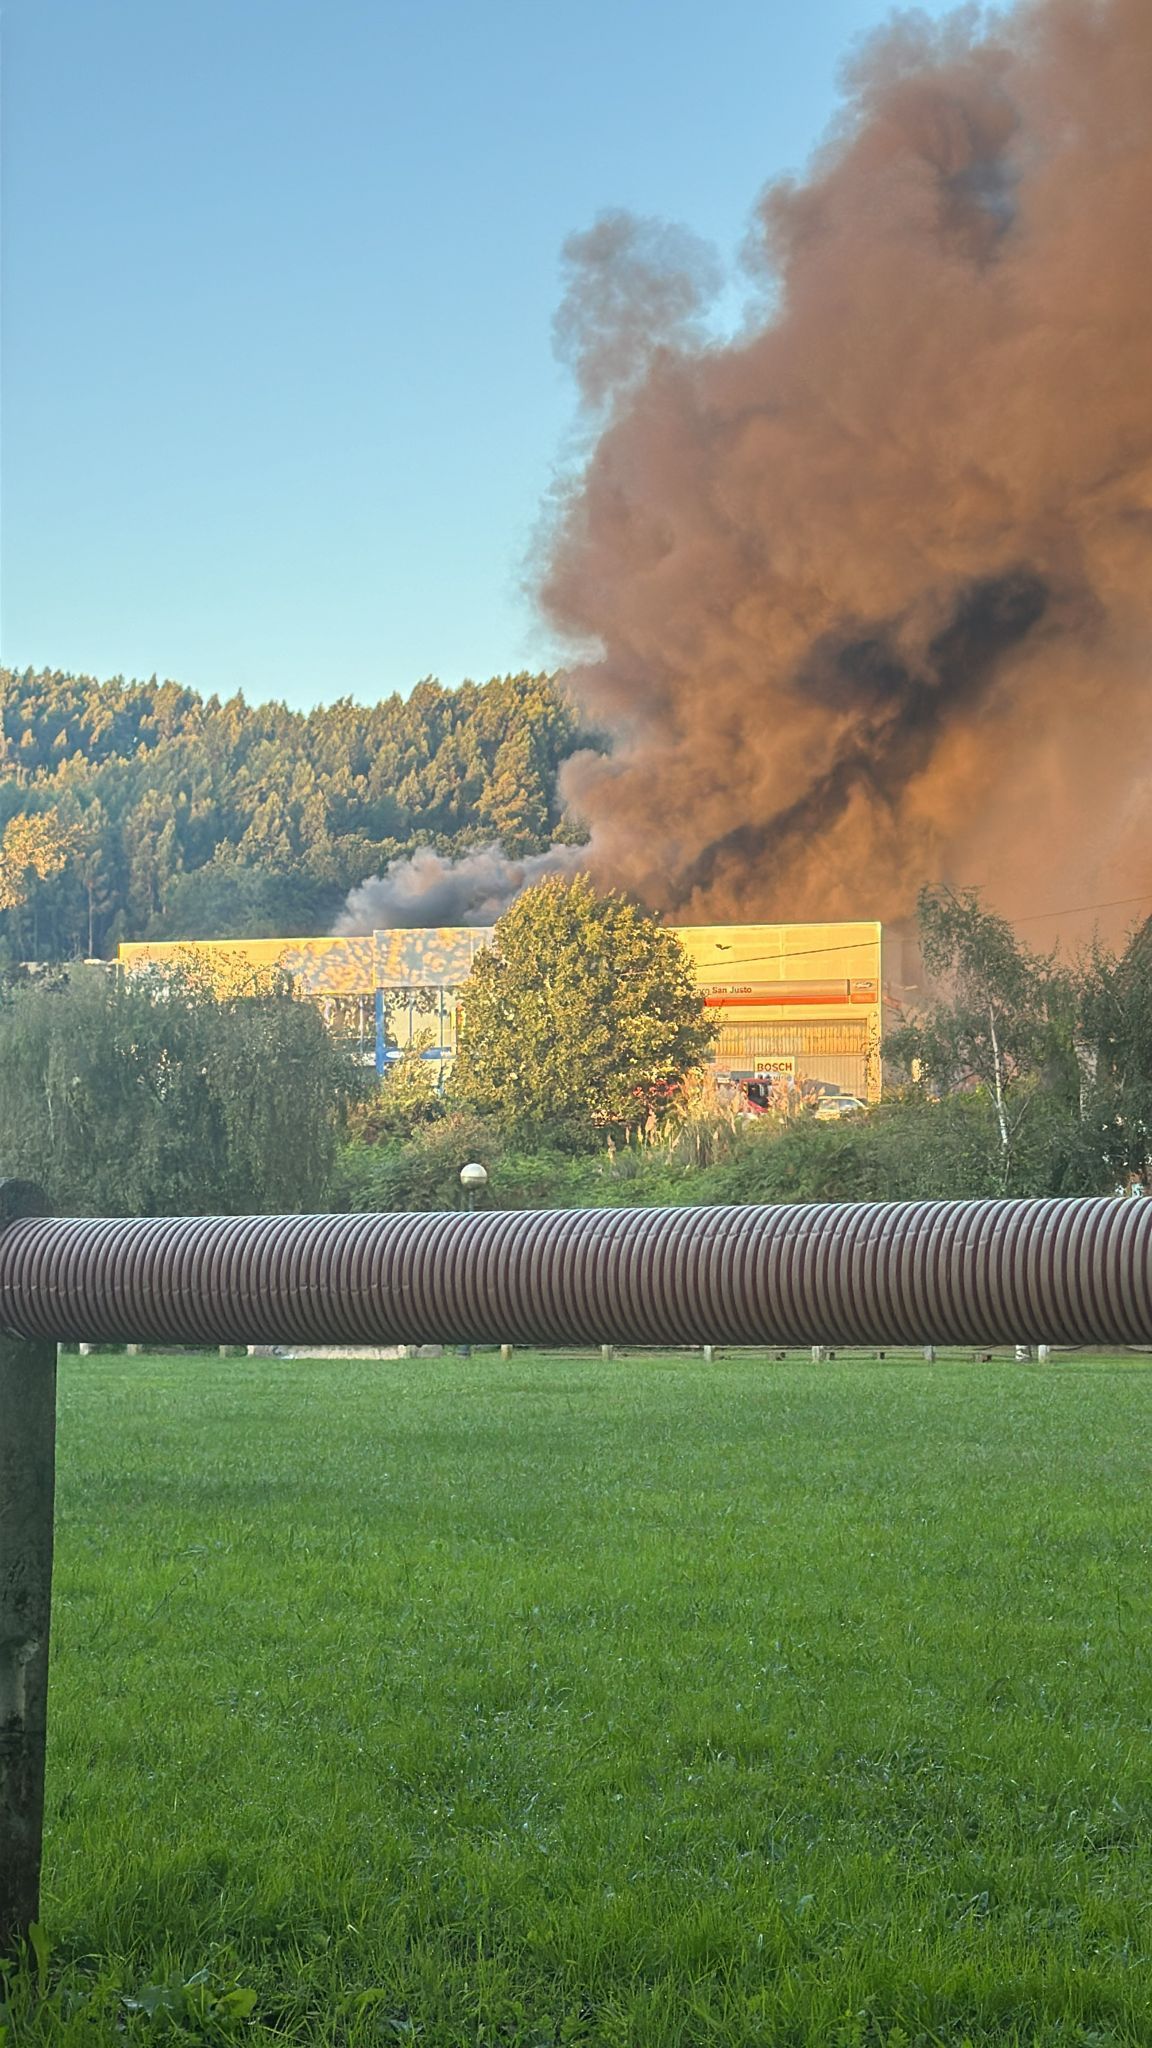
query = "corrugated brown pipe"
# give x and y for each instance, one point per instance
(1073, 1272)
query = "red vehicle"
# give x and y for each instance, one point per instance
(772, 1094)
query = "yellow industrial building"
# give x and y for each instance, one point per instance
(799, 1002)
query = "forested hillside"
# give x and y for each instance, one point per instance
(132, 809)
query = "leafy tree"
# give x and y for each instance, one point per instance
(406, 1097)
(1002, 1020)
(1114, 1046)
(583, 1013)
(145, 1095)
(35, 845)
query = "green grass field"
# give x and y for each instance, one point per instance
(620, 1705)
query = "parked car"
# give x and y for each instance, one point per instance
(831, 1108)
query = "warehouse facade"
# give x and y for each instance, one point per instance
(800, 1002)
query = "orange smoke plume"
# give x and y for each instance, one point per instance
(870, 588)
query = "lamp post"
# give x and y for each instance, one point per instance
(473, 1178)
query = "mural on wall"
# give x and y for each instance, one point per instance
(808, 995)
(440, 957)
(331, 967)
(319, 967)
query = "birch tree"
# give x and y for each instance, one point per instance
(1000, 1018)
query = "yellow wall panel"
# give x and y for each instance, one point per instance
(809, 994)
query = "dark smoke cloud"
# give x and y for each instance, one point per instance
(428, 890)
(872, 585)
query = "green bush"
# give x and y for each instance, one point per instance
(914, 1150)
(422, 1171)
(910, 1149)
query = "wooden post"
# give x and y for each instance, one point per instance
(607, 1352)
(505, 1353)
(27, 1486)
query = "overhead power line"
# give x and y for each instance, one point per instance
(860, 945)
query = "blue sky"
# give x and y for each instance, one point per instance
(279, 400)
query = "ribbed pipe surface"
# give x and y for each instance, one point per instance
(1057, 1272)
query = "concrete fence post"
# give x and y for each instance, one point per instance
(27, 1489)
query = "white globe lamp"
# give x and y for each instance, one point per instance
(473, 1177)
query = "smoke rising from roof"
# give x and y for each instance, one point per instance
(429, 890)
(871, 585)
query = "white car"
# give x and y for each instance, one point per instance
(831, 1108)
